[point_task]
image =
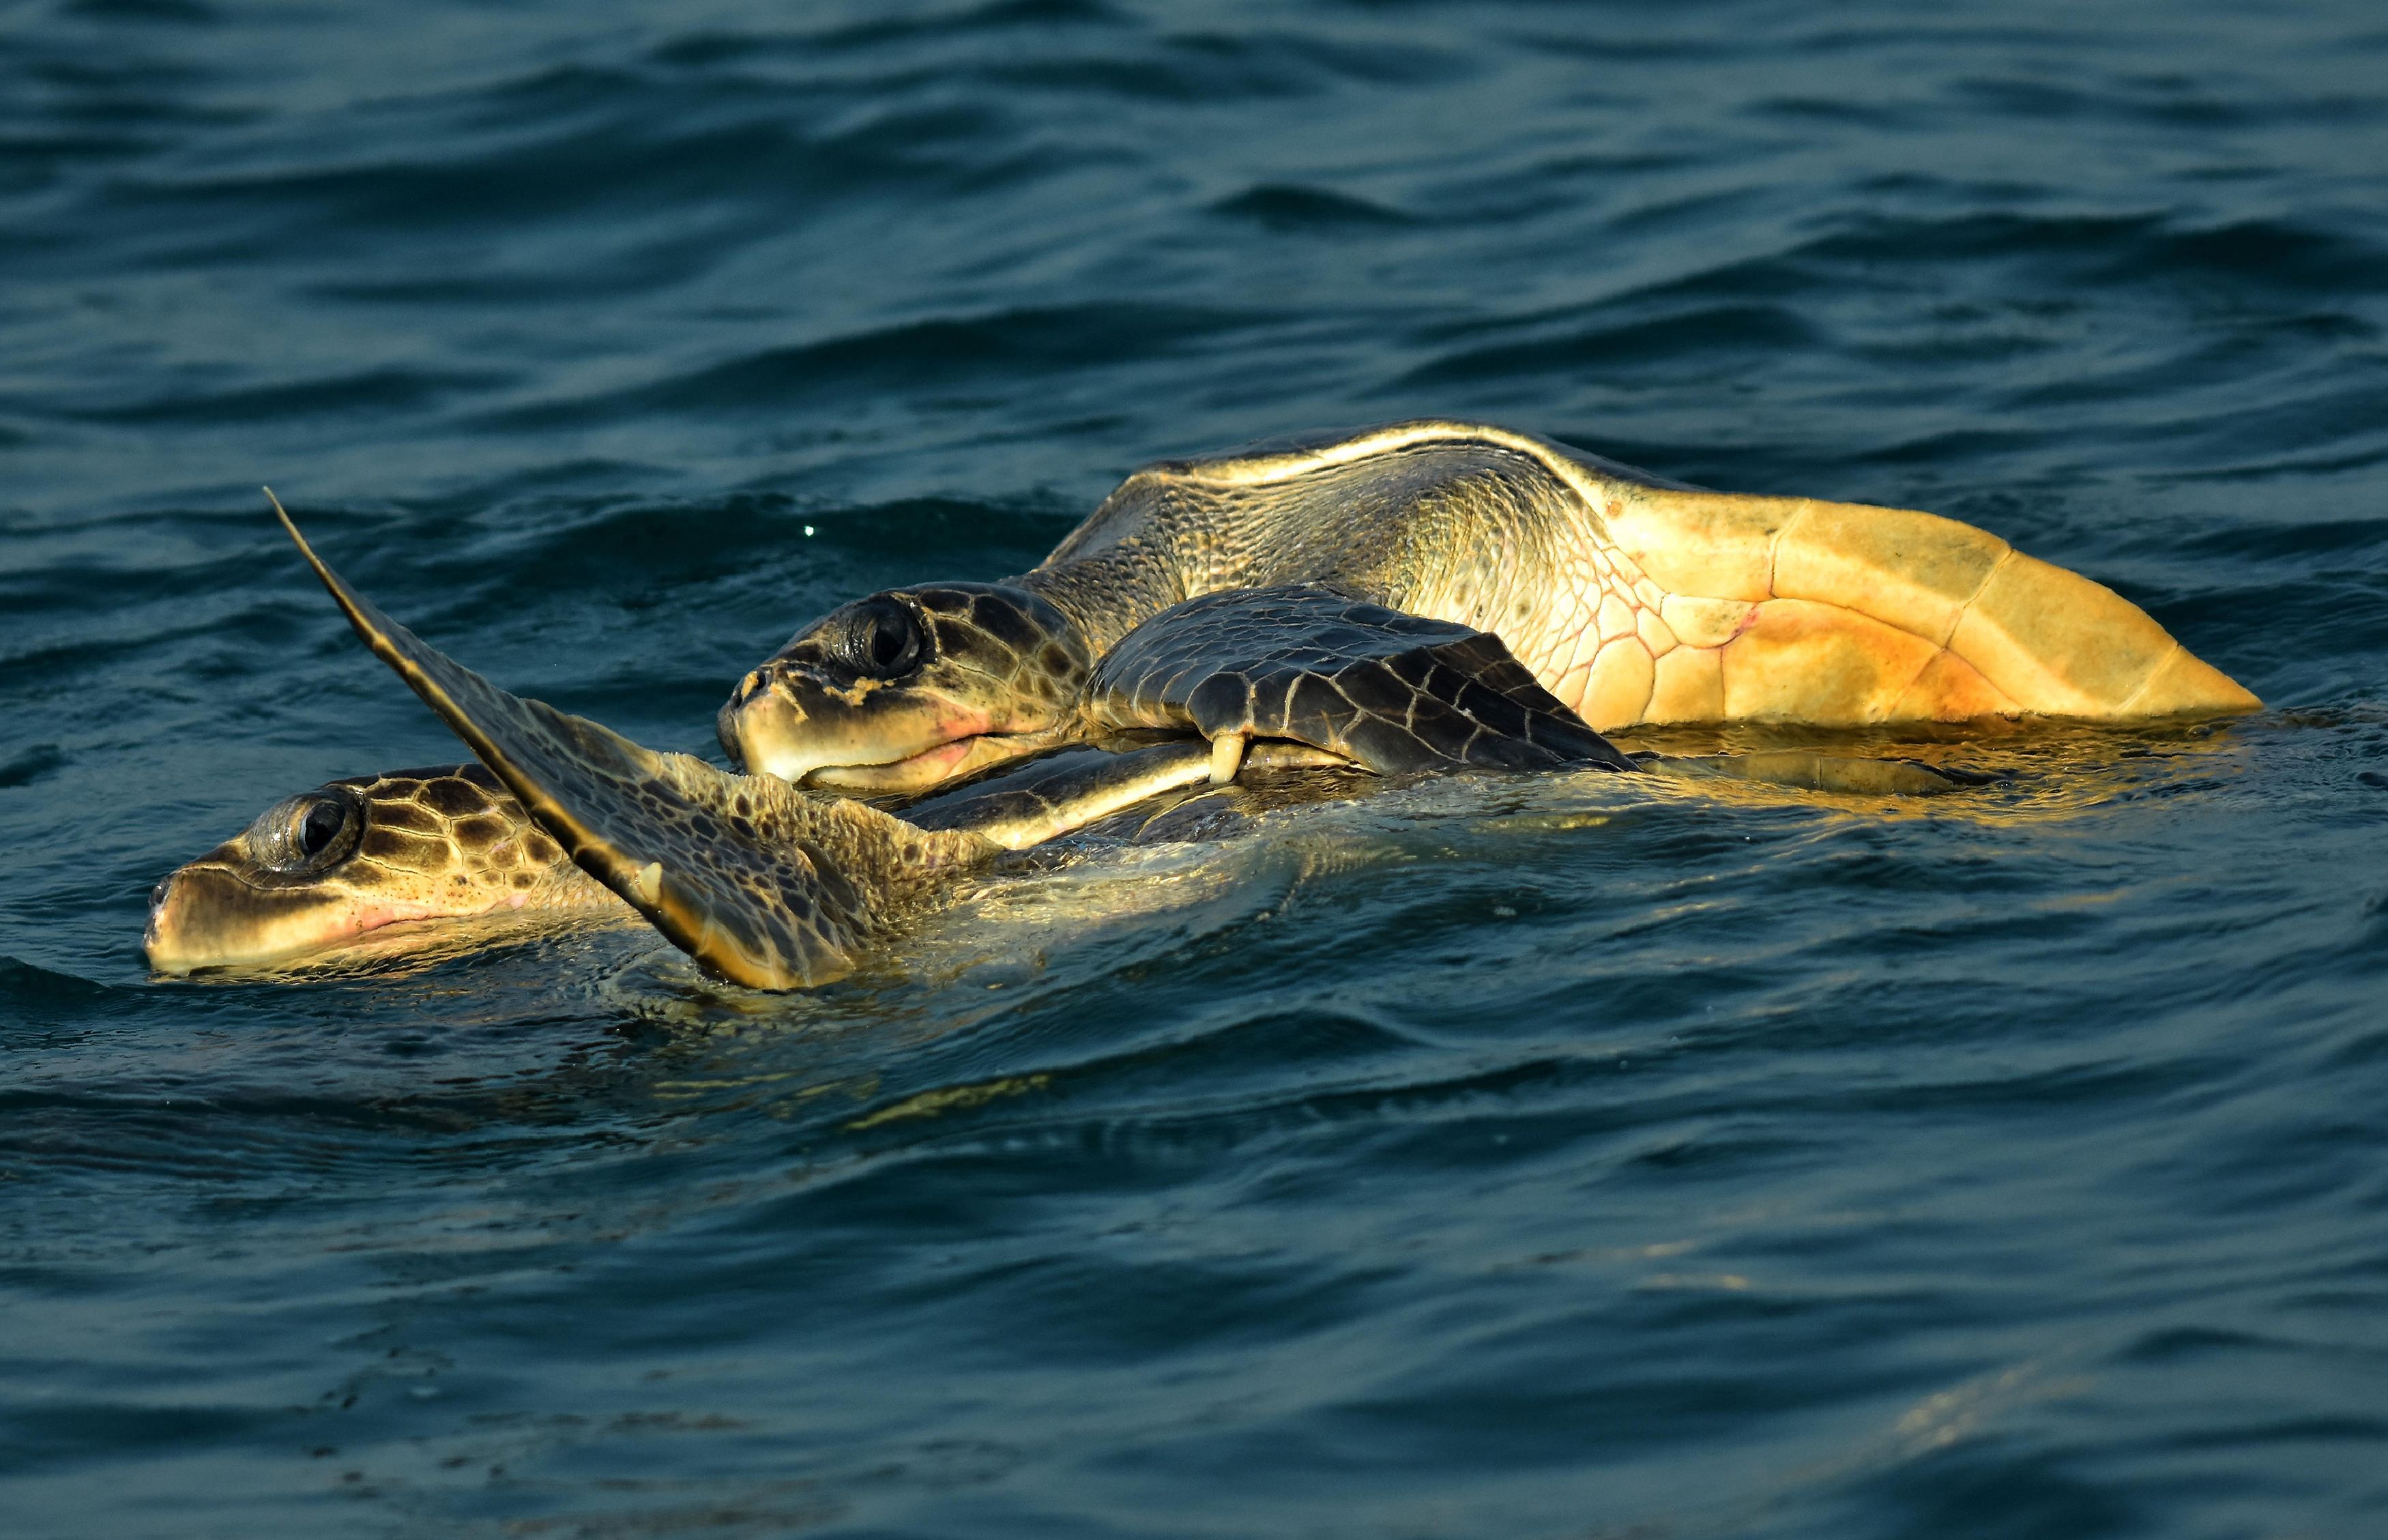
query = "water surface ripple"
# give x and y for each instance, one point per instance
(1548, 1158)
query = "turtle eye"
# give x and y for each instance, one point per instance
(320, 826)
(305, 835)
(880, 639)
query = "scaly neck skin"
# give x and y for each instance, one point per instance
(1110, 595)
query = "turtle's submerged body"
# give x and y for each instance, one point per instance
(1421, 597)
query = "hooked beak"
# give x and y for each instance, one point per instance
(204, 916)
(767, 728)
(766, 731)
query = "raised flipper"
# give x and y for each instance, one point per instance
(766, 885)
(1392, 691)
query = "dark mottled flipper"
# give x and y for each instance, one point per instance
(1394, 692)
(761, 882)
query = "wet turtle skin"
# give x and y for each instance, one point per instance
(1397, 694)
(1631, 600)
(1431, 595)
(324, 868)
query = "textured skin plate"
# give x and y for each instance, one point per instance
(1632, 599)
(326, 867)
(1394, 692)
(765, 885)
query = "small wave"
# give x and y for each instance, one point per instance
(43, 994)
(2120, 248)
(1282, 206)
(998, 16)
(386, 389)
(1627, 345)
(37, 763)
(183, 13)
(935, 353)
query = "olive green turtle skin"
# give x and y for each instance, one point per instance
(1396, 694)
(325, 868)
(914, 687)
(422, 849)
(775, 887)
(406, 859)
(1631, 600)
(1428, 596)
(764, 883)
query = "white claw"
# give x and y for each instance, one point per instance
(1227, 757)
(650, 882)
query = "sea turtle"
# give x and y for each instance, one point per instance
(447, 853)
(1634, 600)
(775, 886)
(327, 868)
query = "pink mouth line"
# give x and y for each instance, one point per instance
(944, 757)
(920, 771)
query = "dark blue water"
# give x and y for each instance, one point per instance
(1516, 1159)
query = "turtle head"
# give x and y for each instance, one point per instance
(325, 867)
(908, 689)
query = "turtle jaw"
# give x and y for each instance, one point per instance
(910, 689)
(206, 915)
(958, 760)
(863, 739)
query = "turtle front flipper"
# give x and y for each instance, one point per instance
(764, 885)
(1392, 691)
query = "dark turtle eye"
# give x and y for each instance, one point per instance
(321, 826)
(880, 639)
(305, 835)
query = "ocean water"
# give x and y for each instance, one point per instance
(1518, 1158)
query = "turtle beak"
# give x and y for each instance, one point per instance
(726, 722)
(766, 731)
(789, 720)
(204, 916)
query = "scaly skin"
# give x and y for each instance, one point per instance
(776, 888)
(987, 673)
(1632, 599)
(324, 868)
(318, 872)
